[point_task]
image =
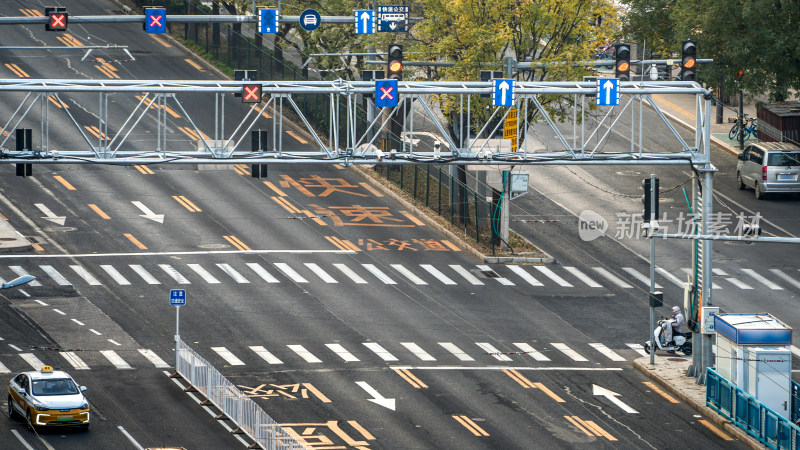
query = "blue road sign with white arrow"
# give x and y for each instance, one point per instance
(267, 20)
(365, 21)
(607, 92)
(386, 93)
(177, 297)
(503, 92)
(310, 20)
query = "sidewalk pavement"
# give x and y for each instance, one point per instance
(10, 239)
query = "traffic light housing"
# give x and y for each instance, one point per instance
(394, 62)
(487, 75)
(646, 200)
(688, 60)
(57, 18)
(622, 66)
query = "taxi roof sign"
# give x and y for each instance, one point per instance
(47, 369)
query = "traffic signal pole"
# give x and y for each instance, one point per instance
(651, 232)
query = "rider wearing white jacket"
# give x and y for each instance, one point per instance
(677, 325)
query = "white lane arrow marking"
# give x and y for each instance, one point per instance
(608, 86)
(49, 214)
(147, 213)
(503, 89)
(364, 21)
(377, 398)
(612, 397)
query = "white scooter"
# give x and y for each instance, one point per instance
(681, 341)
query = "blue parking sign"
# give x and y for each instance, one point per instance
(155, 20)
(386, 93)
(177, 297)
(503, 92)
(267, 20)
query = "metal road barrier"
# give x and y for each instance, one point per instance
(242, 410)
(750, 415)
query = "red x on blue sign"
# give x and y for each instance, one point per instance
(155, 20)
(387, 94)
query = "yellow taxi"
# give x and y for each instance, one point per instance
(47, 397)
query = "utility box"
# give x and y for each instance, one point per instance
(769, 377)
(779, 122)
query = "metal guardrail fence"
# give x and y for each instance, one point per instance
(242, 410)
(749, 414)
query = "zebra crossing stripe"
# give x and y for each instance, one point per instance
(612, 278)
(344, 354)
(153, 358)
(564, 348)
(675, 280)
(74, 360)
(785, 277)
(796, 351)
(233, 273)
(457, 352)
(408, 274)
(350, 274)
(378, 274)
(144, 274)
(763, 280)
(734, 281)
(637, 348)
(3, 368)
(83, 273)
(115, 359)
(639, 276)
(553, 276)
(418, 351)
(583, 277)
(204, 274)
(265, 354)
(55, 275)
(688, 271)
(532, 352)
(31, 359)
(524, 275)
(305, 354)
(467, 276)
(380, 351)
(607, 352)
(501, 280)
(291, 273)
(115, 275)
(437, 274)
(180, 279)
(320, 272)
(22, 272)
(491, 350)
(262, 272)
(228, 356)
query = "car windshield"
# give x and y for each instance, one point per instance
(784, 159)
(56, 386)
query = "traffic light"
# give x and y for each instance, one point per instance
(394, 62)
(487, 75)
(622, 68)
(24, 144)
(646, 200)
(688, 60)
(245, 75)
(57, 18)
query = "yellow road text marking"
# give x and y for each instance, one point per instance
(471, 426)
(135, 241)
(144, 169)
(658, 391)
(367, 435)
(275, 189)
(366, 186)
(411, 378)
(237, 243)
(99, 211)
(186, 203)
(316, 392)
(17, 71)
(589, 427)
(292, 134)
(715, 430)
(66, 184)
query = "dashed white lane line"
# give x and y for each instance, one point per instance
(55, 275)
(153, 358)
(60, 311)
(95, 332)
(180, 279)
(22, 272)
(553, 276)
(342, 352)
(144, 274)
(502, 280)
(612, 278)
(532, 352)
(418, 351)
(303, 353)
(583, 277)
(640, 276)
(264, 354)
(437, 274)
(408, 274)
(204, 274)
(467, 276)
(379, 274)
(22, 440)
(262, 272)
(380, 351)
(114, 342)
(130, 438)
(42, 303)
(760, 278)
(228, 356)
(491, 350)
(607, 352)
(321, 273)
(86, 275)
(233, 273)
(564, 348)
(291, 273)
(524, 275)
(457, 352)
(78, 322)
(31, 359)
(74, 360)
(350, 274)
(115, 275)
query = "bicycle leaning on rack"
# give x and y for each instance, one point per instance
(750, 128)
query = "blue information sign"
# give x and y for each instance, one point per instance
(607, 91)
(365, 21)
(392, 18)
(386, 93)
(310, 20)
(503, 92)
(267, 20)
(155, 20)
(177, 297)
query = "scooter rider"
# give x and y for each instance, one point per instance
(676, 325)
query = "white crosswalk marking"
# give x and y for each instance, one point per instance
(734, 281)
(583, 277)
(3, 368)
(418, 351)
(233, 273)
(491, 350)
(467, 276)
(262, 272)
(564, 348)
(291, 273)
(532, 352)
(553, 276)
(350, 274)
(786, 277)
(55, 275)
(607, 352)
(15, 347)
(688, 271)
(796, 351)
(673, 279)
(638, 349)
(524, 275)
(74, 360)
(265, 354)
(305, 354)
(320, 272)
(639, 276)
(437, 274)
(457, 352)
(204, 274)
(115, 359)
(612, 278)
(153, 358)
(228, 356)
(760, 278)
(408, 274)
(115, 275)
(344, 354)
(180, 279)
(31, 359)
(501, 280)
(380, 351)
(22, 272)
(83, 273)
(378, 274)
(144, 274)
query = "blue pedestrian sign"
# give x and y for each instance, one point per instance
(386, 93)
(392, 18)
(607, 92)
(310, 20)
(503, 92)
(267, 20)
(177, 297)
(155, 20)
(365, 21)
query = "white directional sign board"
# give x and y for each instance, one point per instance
(365, 21)
(392, 18)
(607, 92)
(503, 92)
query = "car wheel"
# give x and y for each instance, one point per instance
(740, 182)
(12, 413)
(759, 193)
(29, 420)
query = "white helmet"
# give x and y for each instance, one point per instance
(676, 309)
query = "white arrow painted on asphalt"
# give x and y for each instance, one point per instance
(612, 397)
(364, 21)
(608, 86)
(377, 398)
(503, 89)
(147, 213)
(49, 214)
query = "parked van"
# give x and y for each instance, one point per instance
(769, 167)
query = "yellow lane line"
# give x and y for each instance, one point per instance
(186, 203)
(135, 241)
(275, 189)
(715, 430)
(471, 426)
(195, 65)
(17, 71)
(319, 221)
(31, 12)
(366, 186)
(66, 184)
(335, 242)
(160, 41)
(451, 245)
(336, 166)
(416, 221)
(37, 247)
(316, 392)
(286, 205)
(236, 242)
(519, 378)
(144, 169)
(578, 425)
(294, 135)
(598, 431)
(549, 393)
(658, 391)
(99, 211)
(58, 102)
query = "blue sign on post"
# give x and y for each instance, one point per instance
(310, 20)
(503, 92)
(607, 91)
(392, 18)
(365, 21)
(155, 20)
(386, 93)
(267, 20)
(177, 297)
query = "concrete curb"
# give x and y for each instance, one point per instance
(11, 240)
(701, 408)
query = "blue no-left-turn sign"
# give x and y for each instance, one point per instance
(607, 92)
(503, 92)
(177, 297)
(386, 93)
(310, 20)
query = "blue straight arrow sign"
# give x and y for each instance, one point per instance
(607, 92)
(503, 92)
(365, 21)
